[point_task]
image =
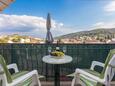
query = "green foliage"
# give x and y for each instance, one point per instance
(3, 41)
(16, 38)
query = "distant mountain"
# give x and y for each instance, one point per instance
(96, 32)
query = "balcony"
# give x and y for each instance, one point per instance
(29, 57)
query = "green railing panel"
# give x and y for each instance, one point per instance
(29, 56)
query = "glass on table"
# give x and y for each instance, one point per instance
(64, 49)
(49, 50)
(57, 48)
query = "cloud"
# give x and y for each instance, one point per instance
(30, 25)
(19, 22)
(64, 30)
(104, 25)
(110, 7)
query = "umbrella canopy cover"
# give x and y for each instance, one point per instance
(48, 24)
(49, 37)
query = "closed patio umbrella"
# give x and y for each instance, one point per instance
(4, 4)
(49, 37)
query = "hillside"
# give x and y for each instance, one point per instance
(92, 33)
(15, 38)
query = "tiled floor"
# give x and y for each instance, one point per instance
(63, 83)
(51, 83)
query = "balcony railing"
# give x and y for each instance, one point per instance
(29, 56)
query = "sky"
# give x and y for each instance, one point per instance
(28, 17)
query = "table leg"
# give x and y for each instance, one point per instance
(46, 72)
(57, 75)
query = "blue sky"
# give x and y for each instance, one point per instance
(67, 15)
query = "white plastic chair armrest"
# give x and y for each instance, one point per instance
(13, 66)
(25, 77)
(98, 79)
(96, 63)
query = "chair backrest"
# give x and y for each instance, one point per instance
(111, 68)
(5, 69)
(108, 70)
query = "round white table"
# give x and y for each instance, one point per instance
(57, 61)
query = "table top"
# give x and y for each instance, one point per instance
(53, 60)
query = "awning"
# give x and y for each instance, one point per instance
(4, 4)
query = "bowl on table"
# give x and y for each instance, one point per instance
(57, 54)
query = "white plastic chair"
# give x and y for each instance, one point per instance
(19, 78)
(90, 77)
